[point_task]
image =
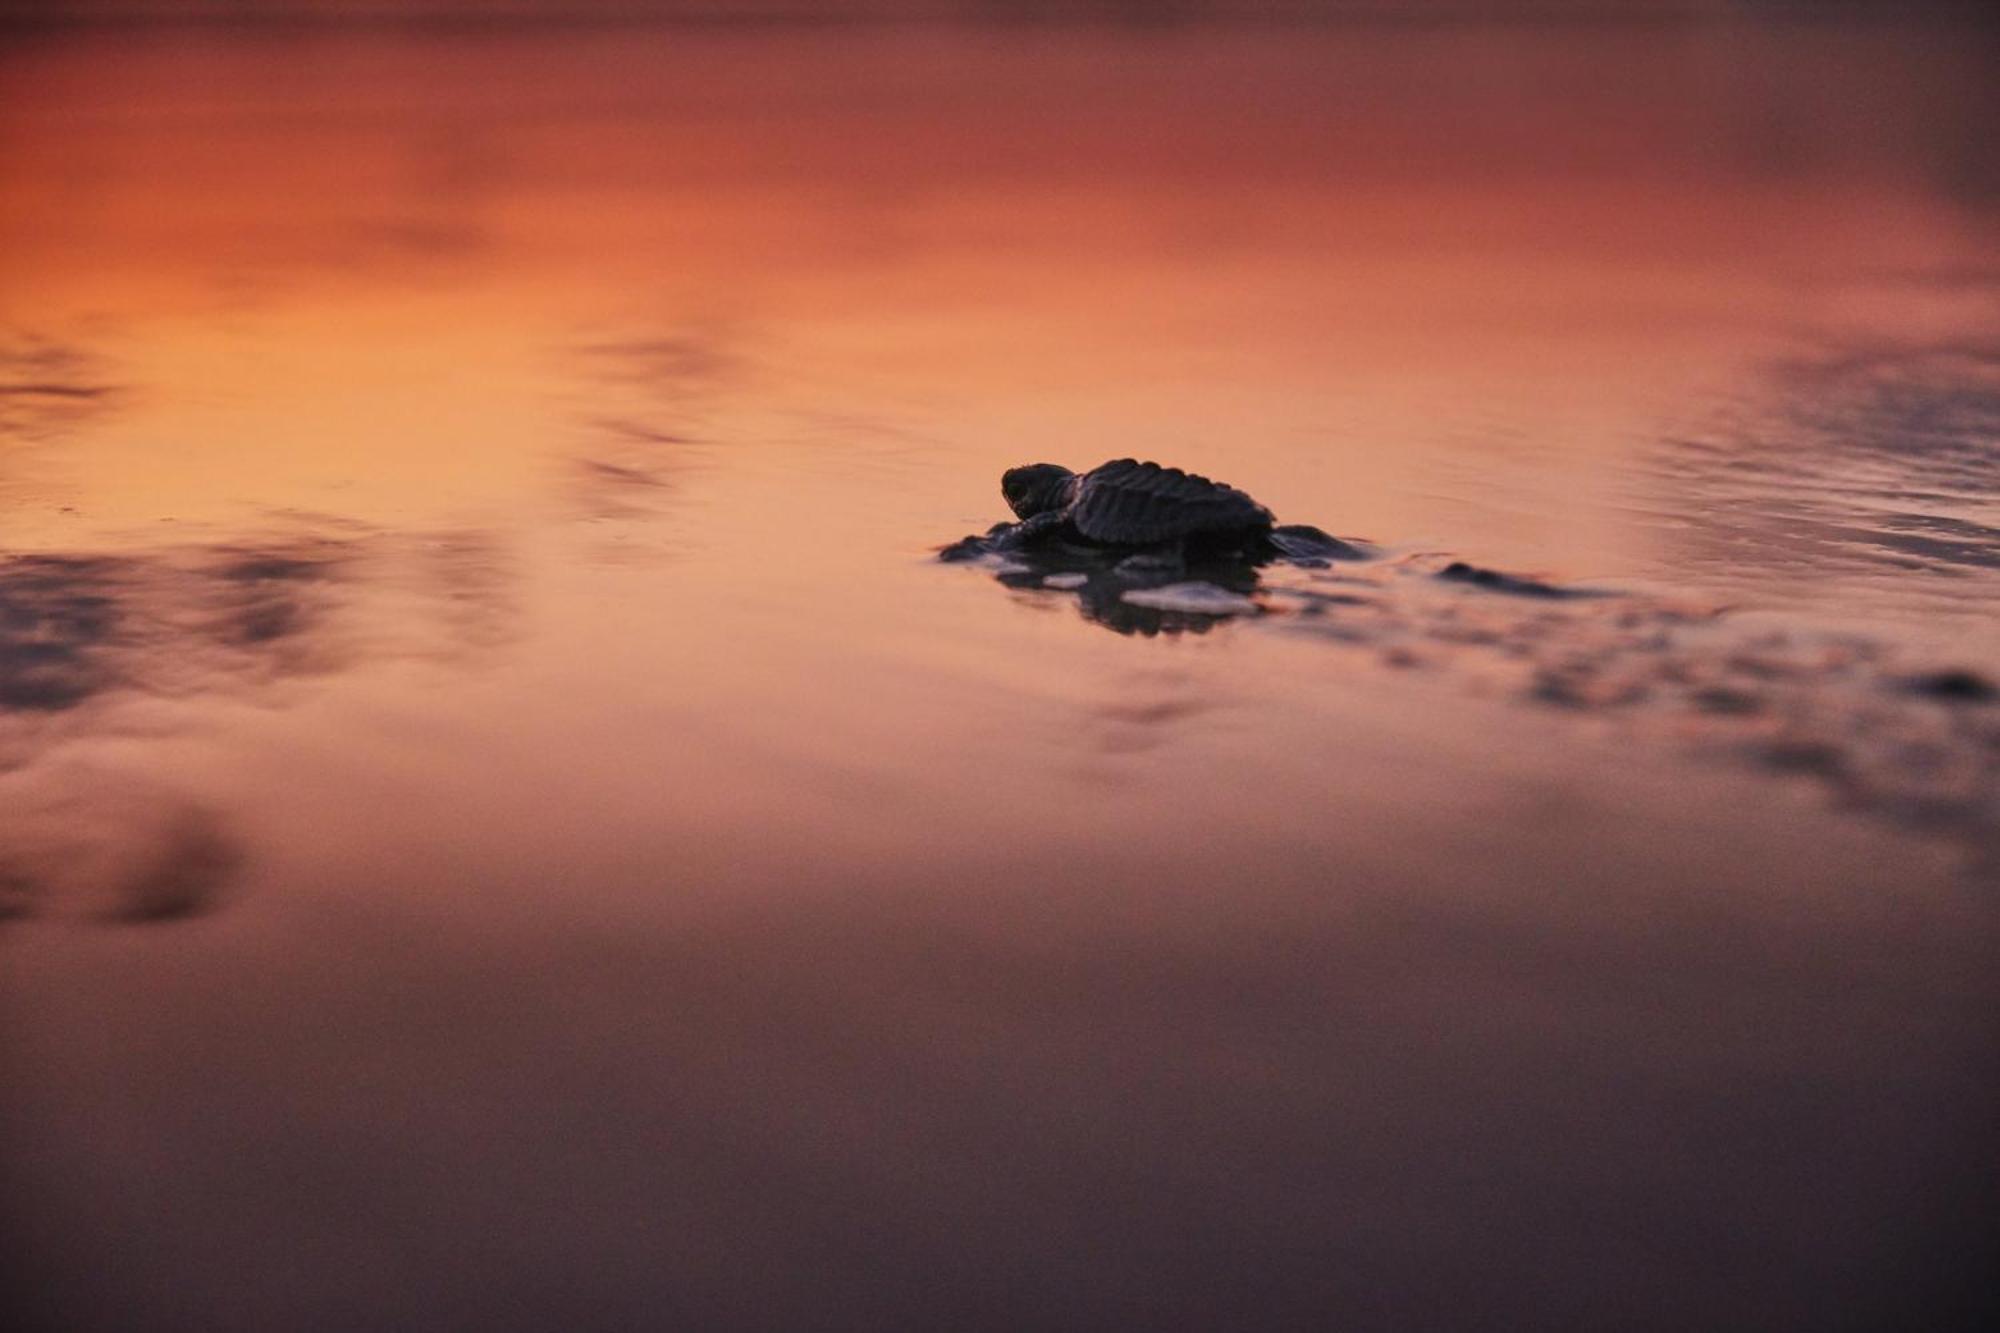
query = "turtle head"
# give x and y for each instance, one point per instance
(1036, 489)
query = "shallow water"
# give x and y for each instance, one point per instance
(504, 820)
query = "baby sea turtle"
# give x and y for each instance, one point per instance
(1129, 503)
(1133, 506)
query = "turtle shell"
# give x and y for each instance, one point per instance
(1126, 501)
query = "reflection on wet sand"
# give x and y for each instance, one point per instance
(54, 615)
(659, 384)
(48, 388)
(1861, 461)
(87, 840)
(643, 410)
(83, 637)
(83, 630)
(625, 471)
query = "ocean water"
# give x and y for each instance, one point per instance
(505, 821)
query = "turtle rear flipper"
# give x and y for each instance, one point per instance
(1304, 544)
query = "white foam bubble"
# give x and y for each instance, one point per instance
(1197, 598)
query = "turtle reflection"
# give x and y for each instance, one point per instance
(1147, 592)
(1102, 587)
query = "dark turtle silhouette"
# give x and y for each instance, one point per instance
(1129, 503)
(1131, 507)
(1121, 532)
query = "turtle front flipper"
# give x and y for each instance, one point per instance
(975, 546)
(1027, 532)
